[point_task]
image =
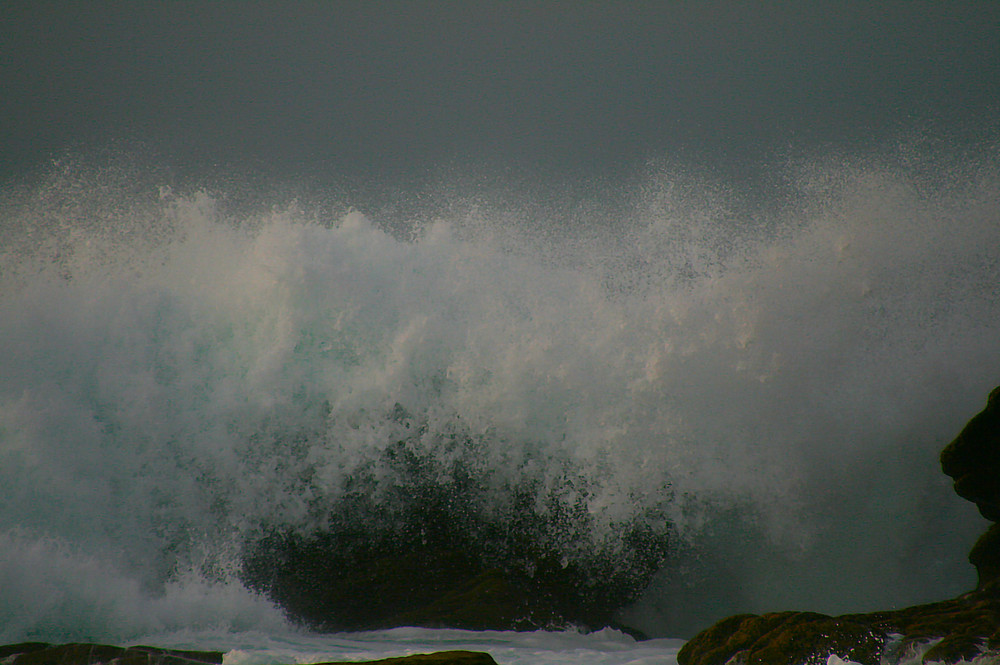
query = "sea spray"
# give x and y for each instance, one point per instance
(56, 591)
(744, 388)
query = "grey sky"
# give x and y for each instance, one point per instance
(385, 87)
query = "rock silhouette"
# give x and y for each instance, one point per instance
(42, 653)
(949, 632)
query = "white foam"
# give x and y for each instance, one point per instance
(55, 592)
(606, 647)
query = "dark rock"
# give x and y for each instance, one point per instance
(482, 602)
(440, 550)
(41, 653)
(973, 459)
(801, 639)
(21, 647)
(35, 653)
(421, 587)
(959, 648)
(735, 635)
(785, 638)
(440, 658)
(950, 631)
(985, 556)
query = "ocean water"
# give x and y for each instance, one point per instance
(761, 372)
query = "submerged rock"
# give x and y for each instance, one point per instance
(951, 631)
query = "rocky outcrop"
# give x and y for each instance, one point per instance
(782, 638)
(423, 586)
(973, 462)
(951, 631)
(439, 553)
(440, 658)
(973, 459)
(946, 632)
(40, 653)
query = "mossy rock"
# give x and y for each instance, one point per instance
(439, 658)
(722, 639)
(784, 638)
(956, 648)
(958, 629)
(36, 653)
(813, 640)
(740, 634)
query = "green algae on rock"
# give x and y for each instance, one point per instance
(439, 658)
(783, 638)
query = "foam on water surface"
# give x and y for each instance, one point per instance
(605, 647)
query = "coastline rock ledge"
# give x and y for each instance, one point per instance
(960, 630)
(42, 653)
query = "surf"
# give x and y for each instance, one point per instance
(698, 403)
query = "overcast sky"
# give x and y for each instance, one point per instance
(386, 87)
